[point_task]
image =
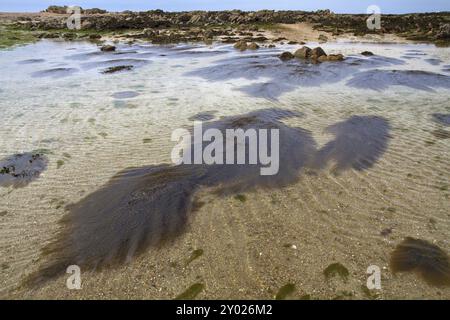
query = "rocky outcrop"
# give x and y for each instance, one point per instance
(63, 10)
(253, 46)
(57, 9)
(303, 53)
(241, 45)
(331, 57)
(286, 56)
(95, 36)
(444, 32)
(94, 11)
(315, 55)
(322, 38)
(107, 48)
(424, 26)
(367, 53)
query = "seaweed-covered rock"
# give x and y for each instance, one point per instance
(108, 48)
(117, 69)
(432, 26)
(253, 46)
(94, 11)
(323, 38)
(317, 52)
(303, 53)
(95, 36)
(49, 35)
(286, 56)
(57, 9)
(240, 45)
(20, 169)
(331, 57)
(444, 32)
(149, 33)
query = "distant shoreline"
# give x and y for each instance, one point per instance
(264, 26)
(244, 11)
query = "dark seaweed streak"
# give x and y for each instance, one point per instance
(359, 142)
(442, 118)
(149, 206)
(379, 80)
(280, 77)
(424, 258)
(203, 116)
(19, 170)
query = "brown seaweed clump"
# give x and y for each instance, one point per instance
(19, 170)
(151, 206)
(426, 259)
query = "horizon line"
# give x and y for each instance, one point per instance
(206, 10)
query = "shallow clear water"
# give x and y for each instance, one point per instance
(378, 128)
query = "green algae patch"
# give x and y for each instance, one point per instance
(10, 37)
(59, 164)
(336, 269)
(194, 255)
(285, 291)
(191, 292)
(240, 197)
(197, 205)
(117, 69)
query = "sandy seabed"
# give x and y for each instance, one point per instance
(250, 244)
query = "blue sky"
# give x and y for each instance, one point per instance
(344, 6)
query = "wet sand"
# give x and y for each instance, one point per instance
(305, 32)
